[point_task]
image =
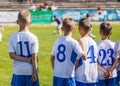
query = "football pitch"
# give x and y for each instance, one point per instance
(46, 42)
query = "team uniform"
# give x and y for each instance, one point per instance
(118, 69)
(66, 50)
(23, 44)
(59, 25)
(87, 71)
(106, 58)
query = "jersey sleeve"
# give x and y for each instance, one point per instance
(35, 46)
(78, 50)
(10, 46)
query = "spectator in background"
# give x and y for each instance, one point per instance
(24, 1)
(101, 13)
(46, 6)
(99, 8)
(42, 5)
(53, 7)
(30, 1)
(33, 7)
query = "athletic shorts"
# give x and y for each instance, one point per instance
(108, 82)
(63, 81)
(85, 84)
(23, 80)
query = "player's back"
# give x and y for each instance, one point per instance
(106, 56)
(23, 44)
(65, 51)
(87, 71)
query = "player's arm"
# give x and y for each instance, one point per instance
(77, 62)
(35, 67)
(83, 48)
(107, 75)
(101, 68)
(83, 55)
(116, 63)
(19, 58)
(52, 58)
(12, 53)
(34, 51)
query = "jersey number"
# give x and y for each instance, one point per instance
(91, 53)
(26, 43)
(61, 53)
(103, 53)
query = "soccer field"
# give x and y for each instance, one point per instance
(46, 41)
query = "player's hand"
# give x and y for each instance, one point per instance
(107, 75)
(33, 78)
(110, 73)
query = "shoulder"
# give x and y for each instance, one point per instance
(12, 38)
(73, 41)
(33, 36)
(112, 41)
(81, 41)
(101, 42)
(58, 40)
(13, 35)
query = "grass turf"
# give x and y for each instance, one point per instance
(46, 41)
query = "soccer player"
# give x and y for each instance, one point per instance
(116, 64)
(65, 53)
(1, 29)
(118, 61)
(106, 57)
(87, 72)
(59, 25)
(23, 49)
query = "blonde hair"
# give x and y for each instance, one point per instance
(68, 24)
(23, 17)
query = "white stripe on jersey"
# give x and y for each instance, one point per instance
(66, 50)
(23, 44)
(106, 56)
(87, 71)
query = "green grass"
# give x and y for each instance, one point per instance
(46, 41)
